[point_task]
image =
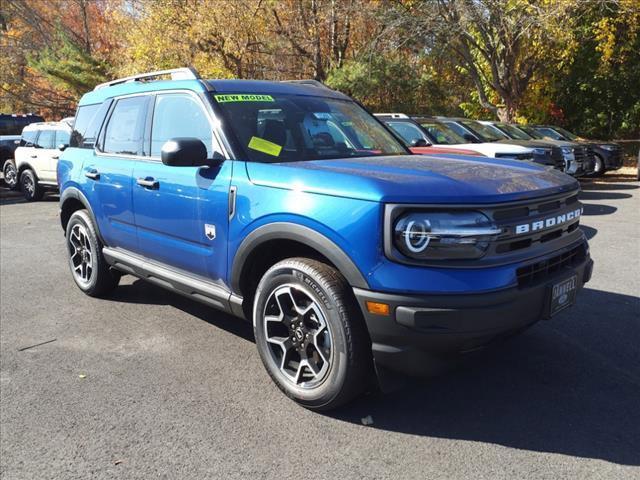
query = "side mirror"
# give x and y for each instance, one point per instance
(420, 142)
(184, 152)
(470, 138)
(62, 147)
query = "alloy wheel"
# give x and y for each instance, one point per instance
(298, 336)
(29, 186)
(81, 254)
(10, 175)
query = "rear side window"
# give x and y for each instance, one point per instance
(46, 139)
(62, 137)
(29, 138)
(83, 136)
(125, 129)
(8, 126)
(179, 115)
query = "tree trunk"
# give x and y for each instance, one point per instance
(507, 113)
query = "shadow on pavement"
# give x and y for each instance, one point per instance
(570, 385)
(607, 186)
(143, 292)
(598, 195)
(596, 209)
(589, 232)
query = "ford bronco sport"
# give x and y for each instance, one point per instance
(288, 204)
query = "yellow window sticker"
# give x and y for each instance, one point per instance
(243, 98)
(265, 146)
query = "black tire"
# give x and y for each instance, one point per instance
(29, 185)
(81, 237)
(599, 168)
(10, 174)
(347, 345)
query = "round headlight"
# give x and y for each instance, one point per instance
(444, 235)
(416, 235)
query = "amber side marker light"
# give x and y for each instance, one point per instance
(378, 308)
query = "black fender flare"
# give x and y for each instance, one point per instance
(72, 193)
(302, 234)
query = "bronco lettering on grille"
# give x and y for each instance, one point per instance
(548, 222)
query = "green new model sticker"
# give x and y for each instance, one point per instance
(243, 98)
(265, 146)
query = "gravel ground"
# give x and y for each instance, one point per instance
(147, 384)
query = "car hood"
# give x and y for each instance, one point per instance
(415, 179)
(528, 143)
(485, 147)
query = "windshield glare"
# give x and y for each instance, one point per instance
(549, 133)
(532, 132)
(488, 134)
(514, 132)
(442, 134)
(566, 133)
(291, 128)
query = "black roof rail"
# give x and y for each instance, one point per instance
(185, 73)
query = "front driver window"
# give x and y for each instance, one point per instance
(179, 115)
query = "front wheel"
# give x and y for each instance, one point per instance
(29, 185)
(89, 268)
(598, 167)
(10, 174)
(310, 334)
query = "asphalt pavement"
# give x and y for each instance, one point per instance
(147, 384)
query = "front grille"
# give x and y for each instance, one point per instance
(540, 271)
(509, 218)
(581, 154)
(515, 156)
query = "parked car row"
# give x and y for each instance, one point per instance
(541, 144)
(35, 157)
(30, 147)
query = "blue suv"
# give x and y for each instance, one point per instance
(288, 204)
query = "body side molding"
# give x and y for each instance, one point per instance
(165, 276)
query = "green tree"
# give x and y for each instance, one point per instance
(68, 65)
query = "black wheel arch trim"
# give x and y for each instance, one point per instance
(299, 233)
(72, 193)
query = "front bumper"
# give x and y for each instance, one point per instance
(420, 329)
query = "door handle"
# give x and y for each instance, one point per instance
(92, 174)
(33, 156)
(148, 182)
(55, 157)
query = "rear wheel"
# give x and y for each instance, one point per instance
(310, 334)
(89, 268)
(29, 185)
(10, 174)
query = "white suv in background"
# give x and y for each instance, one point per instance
(37, 157)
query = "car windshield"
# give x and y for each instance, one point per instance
(488, 134)
(442, 134)
(532, 132)
(550, 133)
(291, 128)
(513, 132)
(566, 133)
(409, 132)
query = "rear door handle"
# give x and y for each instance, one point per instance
(92, 174)
(148, 182)
(34, 156)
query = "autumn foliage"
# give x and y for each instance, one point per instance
(571, 62)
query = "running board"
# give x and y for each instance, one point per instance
(202, 290)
